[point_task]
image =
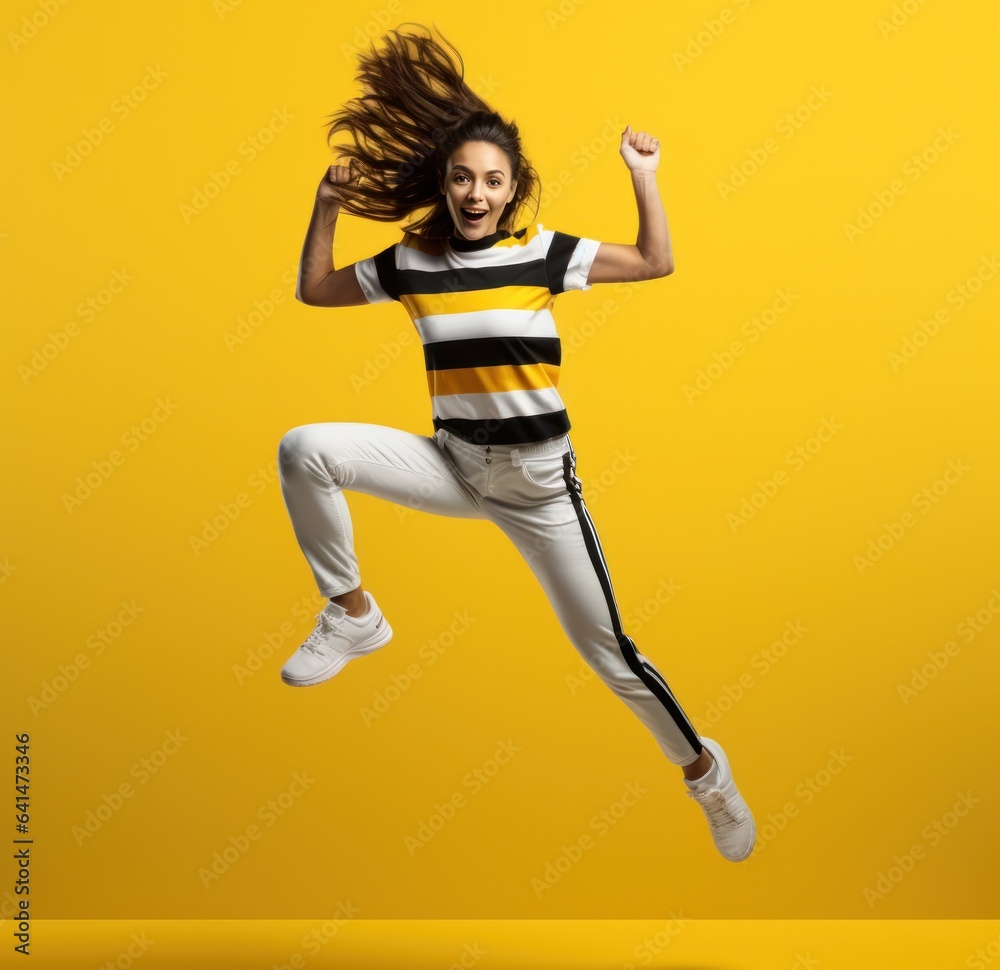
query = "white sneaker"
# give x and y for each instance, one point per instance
(336, 639)
(729, 818)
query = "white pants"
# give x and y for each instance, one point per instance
(530, 491)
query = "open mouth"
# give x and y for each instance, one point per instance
(474, 215)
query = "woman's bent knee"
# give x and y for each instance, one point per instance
(305, 441)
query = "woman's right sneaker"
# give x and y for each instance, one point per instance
(336, 639)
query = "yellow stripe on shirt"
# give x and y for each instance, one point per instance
(476, 301)
(502, 377)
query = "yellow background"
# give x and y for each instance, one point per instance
(250, 85)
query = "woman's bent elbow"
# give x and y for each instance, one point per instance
(658, 270)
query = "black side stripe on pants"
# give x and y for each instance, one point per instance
(646, 673)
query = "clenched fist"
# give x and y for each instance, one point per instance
(329, 190)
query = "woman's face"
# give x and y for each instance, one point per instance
(477, 178)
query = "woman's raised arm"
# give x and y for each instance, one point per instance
(319, 282)
(651, 256)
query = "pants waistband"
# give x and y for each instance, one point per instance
(549, 446)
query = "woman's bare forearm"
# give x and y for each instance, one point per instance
(317, 250)
(653, 239)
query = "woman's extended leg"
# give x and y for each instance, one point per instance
(543, 512)
(566, 557)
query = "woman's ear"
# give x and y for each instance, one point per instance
(513, 190)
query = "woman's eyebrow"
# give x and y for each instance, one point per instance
(465, 168)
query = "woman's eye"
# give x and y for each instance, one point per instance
(493, 182)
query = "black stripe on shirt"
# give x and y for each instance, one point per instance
(491, 351)
(507, 431)
(421, 282)
(557, 261)
(385, 266)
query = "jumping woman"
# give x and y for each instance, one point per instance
(479, 292)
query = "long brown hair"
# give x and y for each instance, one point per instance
(416, 110)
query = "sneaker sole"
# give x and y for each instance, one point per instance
(382, 635)
(720, 756)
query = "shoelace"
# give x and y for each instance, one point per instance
(327, 623)
(714, 802)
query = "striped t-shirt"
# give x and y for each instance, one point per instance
(482, 308)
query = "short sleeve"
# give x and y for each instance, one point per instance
(568, 259)
(377, 275)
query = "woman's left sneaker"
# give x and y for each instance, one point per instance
(729, 817)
